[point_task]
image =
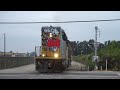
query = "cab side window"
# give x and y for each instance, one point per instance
(64, 37)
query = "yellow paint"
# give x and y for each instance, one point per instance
(50, 53)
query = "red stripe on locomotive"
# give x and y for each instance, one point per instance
(53, 43)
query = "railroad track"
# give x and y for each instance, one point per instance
(64, 75)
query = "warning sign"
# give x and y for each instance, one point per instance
(95, 58)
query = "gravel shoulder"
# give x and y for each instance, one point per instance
(75, 66)
(22, 69)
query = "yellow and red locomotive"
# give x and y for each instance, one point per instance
(55, 51)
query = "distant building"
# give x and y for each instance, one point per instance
(11, 54)
(20, 54)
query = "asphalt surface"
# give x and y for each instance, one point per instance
(28, 72)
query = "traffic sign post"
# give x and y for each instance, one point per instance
(95, 59)
(106, 65)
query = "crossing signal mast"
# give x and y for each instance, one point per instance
(96, 45)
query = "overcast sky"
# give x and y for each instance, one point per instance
(24, 37)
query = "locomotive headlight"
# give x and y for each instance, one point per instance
(50, 34)
(55, 55)
(43, 55)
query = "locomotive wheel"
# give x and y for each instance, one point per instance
(57, 67)
(43, 68)
(40, 69)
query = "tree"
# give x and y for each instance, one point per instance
(111, 52)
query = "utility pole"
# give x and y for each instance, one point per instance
(35, 52)
(96, 45)
(96, 30)
(4, 44)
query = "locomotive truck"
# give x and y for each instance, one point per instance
(55, 51)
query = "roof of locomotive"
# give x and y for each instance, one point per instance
(45, 27)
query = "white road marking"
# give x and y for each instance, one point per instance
(119, 74)
(10, 75)
(86, 76)
(17, 75)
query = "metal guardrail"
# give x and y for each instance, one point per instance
(9, 62)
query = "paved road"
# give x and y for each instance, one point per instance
(28, 72)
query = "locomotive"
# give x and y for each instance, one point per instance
(55, 51)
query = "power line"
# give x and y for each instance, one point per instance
(59, 22)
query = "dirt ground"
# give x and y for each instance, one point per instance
(76, 66)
